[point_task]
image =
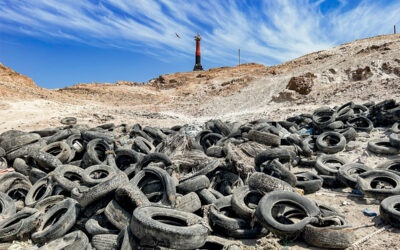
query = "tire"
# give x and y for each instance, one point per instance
(69, 121)
(125, 158)
(97, 150)
(283, 155)
(169, 190)
(210, 167)
(105, 241)
(86, 196)
(321, 165)
(394, 139)
(76, 240)
(382, 146)
(209, 139)
(44, 160)
(157, 226)
(323, 117)
(264, 138)
(225, 221)
(275, 169)
(118, 216)
(63, 134)
(189, 202)
(152, 157)
(348, 173)
(266, 213)
(129, 197)
(25, 150)
(46, 132)
(44, 205)
(68, 176)
(216, 151)
(19, 226)
(126, 240)
(60, 150)
(96, 174)
(42, 189)
(193, 184)
(206, 196)
(332, 181)
(265, 183)
(99, 224)
(396, 127)
(57, 221)
(21, 167)
(245, 201)
(328, 233)
(349, 133)
(361, 123)
(16, 142)
(339, 142)
(216, 242)
(309, 182)
(89, 136)
(143, 145)
(7, 207)
(379, 184)
(389, 210)
(390, 165)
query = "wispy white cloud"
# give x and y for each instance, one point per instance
(266, 31)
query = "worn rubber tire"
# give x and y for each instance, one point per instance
(16, 142)
(68, 176)
(309, 182)
(96, 174)
(339, 144)
(68, 121)
(116, 215)
(328, 235)
(44, 205)
(150, 231)
(245, 201)
(129, 197)
(390, 165)
(369, 184)
(361, 123)
(169, 193)
(61, 217)
(394, 139)
(42, 189)
(193, 184)
(99, 224)
(264, 213)
(19, 226)
(348, 173)
(7, 207)
(322, 167)
(105, 241)
(76, 240)
(59, 149)
(389, 210)
(382, 146)
(266, 183)
(264, 138)
(189, 202)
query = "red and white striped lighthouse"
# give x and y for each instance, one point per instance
(197, 65)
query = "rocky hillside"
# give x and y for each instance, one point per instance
(367, 69)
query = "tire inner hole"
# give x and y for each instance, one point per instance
(54, 218)
(18, 194)
(74, 177)
(252, 199)
(383, 183)
(101, 152)
(124, 161)
(331, 140)
(287, 212)
(98, 174)
(395, 167)
(39, 192)
(333, 164)
(170, 220)
(397, 207)
(54, 151)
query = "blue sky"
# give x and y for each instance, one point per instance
(59, 43)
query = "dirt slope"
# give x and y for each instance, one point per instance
(367, 69)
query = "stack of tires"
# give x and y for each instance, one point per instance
(128, 186)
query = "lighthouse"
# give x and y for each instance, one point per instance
(197, 65)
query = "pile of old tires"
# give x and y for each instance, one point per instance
(128, 186)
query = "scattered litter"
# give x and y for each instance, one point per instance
(369, 212)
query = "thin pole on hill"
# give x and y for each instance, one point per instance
(394, 28)
(239, 56)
